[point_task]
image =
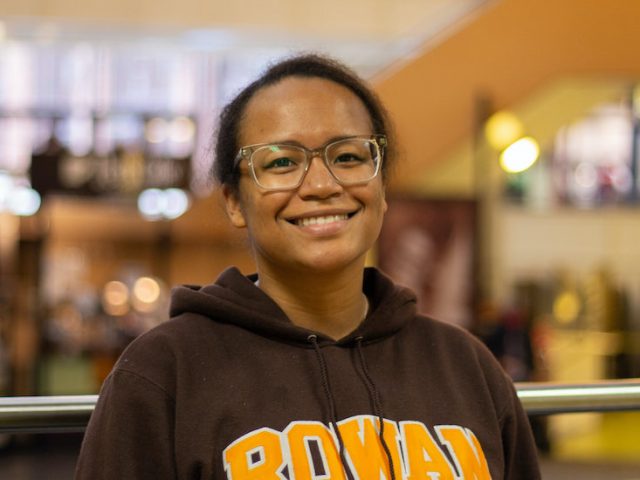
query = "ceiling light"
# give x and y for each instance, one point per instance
(502, 129)
(520, 155)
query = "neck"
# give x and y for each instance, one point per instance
(329, 303)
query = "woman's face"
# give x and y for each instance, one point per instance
(309, 112)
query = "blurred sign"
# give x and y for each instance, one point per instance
(125, 172)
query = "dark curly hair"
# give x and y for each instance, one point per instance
(308, 65)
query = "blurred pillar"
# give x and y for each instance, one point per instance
(482, 175)
(23, 329)
(9, 236)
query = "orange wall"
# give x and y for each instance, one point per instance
(506, 52)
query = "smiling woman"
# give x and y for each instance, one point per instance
(314, 366)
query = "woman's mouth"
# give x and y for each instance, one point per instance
(320, 220)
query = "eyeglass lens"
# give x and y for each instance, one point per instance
(350, 161)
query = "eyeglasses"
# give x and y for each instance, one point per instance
(281, 166)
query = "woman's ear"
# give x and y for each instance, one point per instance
(233, 207)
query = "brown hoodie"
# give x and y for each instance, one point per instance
(229, 388)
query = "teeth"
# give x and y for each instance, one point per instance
(304, 222)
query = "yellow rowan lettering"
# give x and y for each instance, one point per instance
(364, 449)
(255, 456)
(466, 452)
(424, 459)
(308, 450)
(300, 437)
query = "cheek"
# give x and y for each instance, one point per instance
(261, 210)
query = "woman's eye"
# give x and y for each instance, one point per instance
(348, 158)
(281, 162)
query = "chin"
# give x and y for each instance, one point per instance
(330, 263)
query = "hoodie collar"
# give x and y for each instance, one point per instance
(235, 299)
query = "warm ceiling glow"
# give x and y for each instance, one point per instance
(502, 129)
(520, 155)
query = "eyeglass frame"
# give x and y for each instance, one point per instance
(379, 139)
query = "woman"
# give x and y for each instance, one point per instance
(314, 367)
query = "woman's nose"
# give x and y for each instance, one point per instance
(318, 180)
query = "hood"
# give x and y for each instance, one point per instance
(235, 299)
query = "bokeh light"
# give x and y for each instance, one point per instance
(151, 203)
(182, 129)
(115, 298)
(176, 203)
(156, 204)
(156, 130)
(146, 294)
(566, 307)
(23, 201)
(17, 197)
(520, 155)
(502, 129)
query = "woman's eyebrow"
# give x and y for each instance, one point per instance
(300, 144)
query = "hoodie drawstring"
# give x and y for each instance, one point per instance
(373, 393)
(332, 404)
(377, 405)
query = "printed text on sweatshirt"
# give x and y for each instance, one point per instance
(309, 450)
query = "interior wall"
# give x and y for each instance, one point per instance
(536, 243)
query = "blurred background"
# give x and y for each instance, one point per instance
(514, 210)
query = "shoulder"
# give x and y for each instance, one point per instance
(447, 335)
(169, 336)
(157, 354)
(452, 340)
(461, 355)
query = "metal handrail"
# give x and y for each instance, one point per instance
(71, 413)
(44, 414)
(604, 396)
